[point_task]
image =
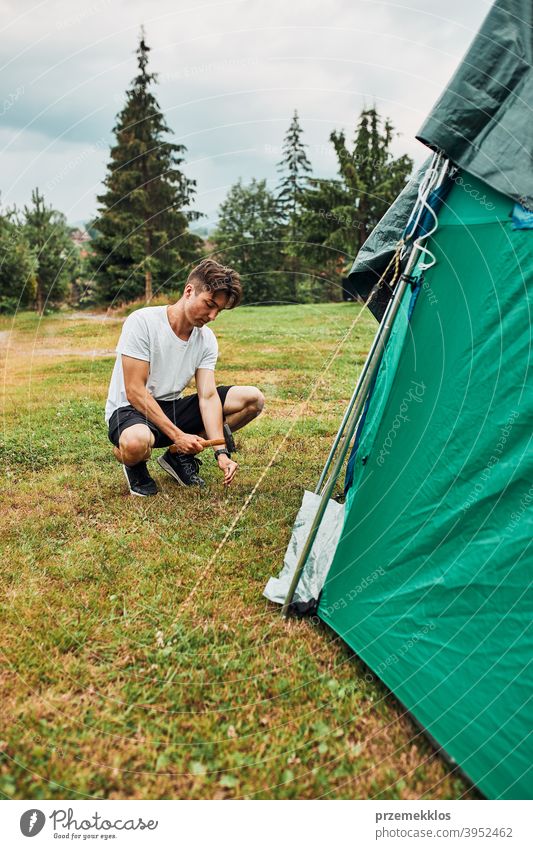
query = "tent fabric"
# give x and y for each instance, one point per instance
(415, 229)
(482, 121)
(385, 376)
(429, 582)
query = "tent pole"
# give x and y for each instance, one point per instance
(435, 162)
(363, 386)
(349, 409)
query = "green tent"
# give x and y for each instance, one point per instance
(429, 576)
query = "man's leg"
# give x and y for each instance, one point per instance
(134, 448)
(242, 405)
(135, 445)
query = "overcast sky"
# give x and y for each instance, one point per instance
(230, 76)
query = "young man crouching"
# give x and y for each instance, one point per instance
(159, 351)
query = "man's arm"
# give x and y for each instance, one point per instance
(212, 417)
(135, 380)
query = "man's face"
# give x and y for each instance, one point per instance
(204, 306)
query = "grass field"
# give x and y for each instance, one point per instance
(138, 659)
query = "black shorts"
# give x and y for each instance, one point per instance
(184, 413)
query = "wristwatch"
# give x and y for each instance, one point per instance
(220, 451)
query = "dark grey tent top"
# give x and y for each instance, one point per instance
(482, 123)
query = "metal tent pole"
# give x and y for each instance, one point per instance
(349, 408)
(352, 418)
(435, 162)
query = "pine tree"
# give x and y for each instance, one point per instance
(143, 236)
(248, 236)
(338, 215)
(369, 171)
(17, 265)
(294, 169)
(55, 256)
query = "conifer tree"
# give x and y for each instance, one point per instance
(338, 215)
(294, 169)
(56, 260)
(248, 236)
(369, 171)
(17, 265)
(143, 240)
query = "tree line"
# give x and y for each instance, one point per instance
(292, 243)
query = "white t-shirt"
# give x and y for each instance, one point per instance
(147, 335)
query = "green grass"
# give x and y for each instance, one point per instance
(140, 659)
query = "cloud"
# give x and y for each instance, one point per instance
(230, 75)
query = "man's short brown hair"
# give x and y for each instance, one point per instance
(211, 276)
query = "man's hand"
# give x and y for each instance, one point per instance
(188, 443)
(228, 466)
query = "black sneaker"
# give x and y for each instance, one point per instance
(139, 481)
(182, 467)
